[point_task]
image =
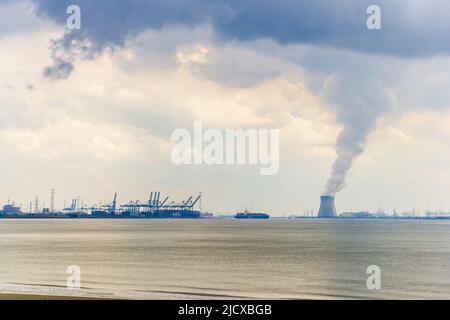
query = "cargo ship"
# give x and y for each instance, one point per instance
(249, 215)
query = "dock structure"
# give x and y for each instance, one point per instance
(156, 205)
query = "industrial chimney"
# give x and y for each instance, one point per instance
(327, 208)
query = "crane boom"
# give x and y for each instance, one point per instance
(195, 201)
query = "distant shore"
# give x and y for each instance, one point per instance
(88, 217)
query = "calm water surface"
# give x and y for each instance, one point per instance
(147, 259)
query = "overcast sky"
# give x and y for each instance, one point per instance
(90, 112)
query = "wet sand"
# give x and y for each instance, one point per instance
(26, 296)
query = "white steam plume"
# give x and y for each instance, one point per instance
(358, 103)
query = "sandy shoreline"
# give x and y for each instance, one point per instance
(28, 296)
(153, 296)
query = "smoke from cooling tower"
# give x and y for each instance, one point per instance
(348, 147)
(358, 104)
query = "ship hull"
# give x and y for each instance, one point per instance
(251, 216)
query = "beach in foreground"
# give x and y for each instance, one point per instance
(15, 296)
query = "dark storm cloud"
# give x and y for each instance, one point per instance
(110, 22)
(409, 27)
(106, 24)
(61, 69)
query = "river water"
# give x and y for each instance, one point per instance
(274, 259)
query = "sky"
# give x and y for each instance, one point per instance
(363, 114)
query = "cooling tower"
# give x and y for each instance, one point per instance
(327, 208)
